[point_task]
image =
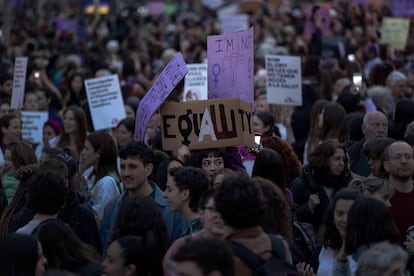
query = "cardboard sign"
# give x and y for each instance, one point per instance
(163, 86)
(206, 124)
(284, 80)
(32, 125)
(395, 32)
(19, 82)
(250, 5)
(195, 83)
(105, 101)
(231, 66)
(234, 23)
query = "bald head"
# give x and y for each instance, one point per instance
(375, 124)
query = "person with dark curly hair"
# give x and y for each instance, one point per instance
(277, 215)
(185, 185)
(239, 200)
(132, 255)
(326, 173)
(140, 216)
(204, 257)
(47, 195)
(292, 166)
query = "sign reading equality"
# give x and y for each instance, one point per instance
(206, 124)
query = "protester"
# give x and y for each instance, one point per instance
(204, 257)
(140, 216)
(74, 130)
(184, 188)
(47, 194)
(64, 250)
(125, 132)
(21, 255)
(213, 228)
(136, 166)
(238, 200)
(100, 154)
(375, 124)
(132, 255)
(383, 258)
(398, 162)
(326, 173)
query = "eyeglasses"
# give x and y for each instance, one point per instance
(399, 157)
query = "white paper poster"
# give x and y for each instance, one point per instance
(234, 23)
(32, 125)
(195, 83)
(105, 101)
(19, 82)
(284, 80)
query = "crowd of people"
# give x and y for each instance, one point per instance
(327, 190)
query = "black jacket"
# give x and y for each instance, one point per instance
(78, 217)
(305, 185)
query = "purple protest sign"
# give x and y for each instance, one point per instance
(159, 91)
(231, 65)
(324, 13)
(402, 8)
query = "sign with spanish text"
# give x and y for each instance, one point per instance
(206, 124)
(105, 101)
(195, 82)
(231, 65)
(159, 91)
(234, 23)
(284, 80)
(395, 32)
(19, 82)
(32, 125)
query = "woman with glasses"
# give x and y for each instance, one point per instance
(213, 228)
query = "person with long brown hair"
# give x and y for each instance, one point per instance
(74, 130)
(100, 154)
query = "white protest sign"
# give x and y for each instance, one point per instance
(213, 4)
(32, 125)
(234, 23)
(284, 80)
(195, 82)
(19, 82)
(395, 32)
(105, 101)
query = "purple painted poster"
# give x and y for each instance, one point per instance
(323, 11)
(231, 65)
(402, 8)
(165, 83)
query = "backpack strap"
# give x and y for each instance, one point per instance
(278, 248)
(246, 255)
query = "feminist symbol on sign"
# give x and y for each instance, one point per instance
(216, 72)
